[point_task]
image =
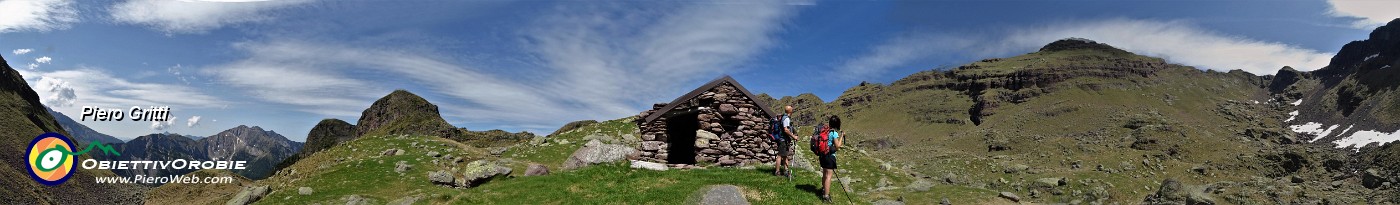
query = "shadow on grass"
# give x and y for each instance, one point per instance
(816, 191)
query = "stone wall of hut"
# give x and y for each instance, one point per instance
(733, 130)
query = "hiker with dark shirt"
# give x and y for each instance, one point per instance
(831, 139)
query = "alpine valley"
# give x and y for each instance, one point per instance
(1076, 122)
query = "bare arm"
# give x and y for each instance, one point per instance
(841, 139)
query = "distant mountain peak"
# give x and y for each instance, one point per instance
(1075, 43)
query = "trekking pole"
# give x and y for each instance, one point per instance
(848, 194)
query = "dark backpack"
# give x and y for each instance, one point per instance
(821, 141)
(777, 133)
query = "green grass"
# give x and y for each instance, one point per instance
(617, 184)
(362, 171)
(553, 154)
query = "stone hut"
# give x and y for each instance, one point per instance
(718, 123)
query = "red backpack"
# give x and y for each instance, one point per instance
(821, 141)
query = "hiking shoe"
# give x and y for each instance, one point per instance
(826, 198)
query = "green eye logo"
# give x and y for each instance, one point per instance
(50, 157)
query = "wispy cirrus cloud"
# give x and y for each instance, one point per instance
(22, 51)
(1368, 13)
(1177, 41)
(593, 62)
(100, 88)
(198, 16)
(649, 54)
(36, 15)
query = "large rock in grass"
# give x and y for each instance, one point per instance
(482, 171)
(1173, 192)
(724, 194)
(596, 153)
(441, 177)
(536, 170)
(248, 195)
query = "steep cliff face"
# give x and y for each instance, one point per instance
(1354, 100)
(24, 118)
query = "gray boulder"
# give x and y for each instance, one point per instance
(248, 195)
(402, 166)
(441, 177)
(392, 152)
(723, 195)
(597, 154)
(482, 171)
(304, 190)
(1173, 192)
(357, 200)
(536, 170)
(920, 185)
(1010, 196)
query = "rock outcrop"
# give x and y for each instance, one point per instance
(595, 152)
(402, 112)
(327, 133)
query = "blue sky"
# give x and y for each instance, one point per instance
(535, 65)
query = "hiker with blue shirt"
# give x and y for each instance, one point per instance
(824, 143)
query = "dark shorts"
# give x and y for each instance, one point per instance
(784, 148)
(827, 161)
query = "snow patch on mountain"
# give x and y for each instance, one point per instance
(1361, 138)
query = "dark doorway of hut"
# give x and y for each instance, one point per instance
(680, 135)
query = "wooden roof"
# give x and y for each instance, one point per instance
(711, 85)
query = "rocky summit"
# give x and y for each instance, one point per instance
(402, 112)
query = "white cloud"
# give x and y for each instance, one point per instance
(44, 60)
(197, 16)
(163, 125)
(648, 55)
(22, 51)
(1176, 41)
(1369, 13)
(591, 66)
(36, 15)
(178, 72)
(899, 51)
(193, 121)
(102, 89)
(56, 92)
(32, 66)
